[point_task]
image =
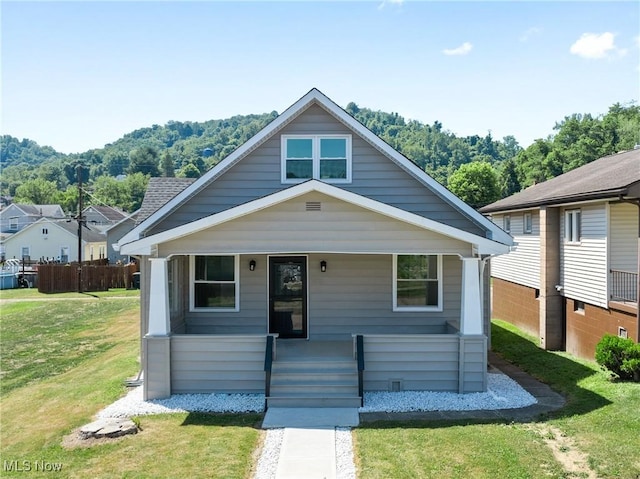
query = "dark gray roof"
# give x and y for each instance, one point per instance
(48, 211)
(89, 235)
(606, 177)
(109, 212)
(159, 191)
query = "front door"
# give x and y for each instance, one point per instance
(288, 296)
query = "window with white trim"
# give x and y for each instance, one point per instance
(13, 223)
(527, 227)
(25, 252)
(572, 226)
(506, 223)
(214, 283)
(320, 157)
(417, 283)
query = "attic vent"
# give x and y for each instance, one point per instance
(314, 206)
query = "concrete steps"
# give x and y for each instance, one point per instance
(316, 380)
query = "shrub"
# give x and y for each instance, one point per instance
(621, 356)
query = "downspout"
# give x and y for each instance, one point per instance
(637, 203)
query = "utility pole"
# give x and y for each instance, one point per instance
(79, 219)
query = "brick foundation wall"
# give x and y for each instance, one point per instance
(584, 330)
(517, 305)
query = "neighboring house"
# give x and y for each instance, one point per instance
(15, 217)
(573, 275)
(54, 240)
(317, 233)
(103, 217)
(115, 232)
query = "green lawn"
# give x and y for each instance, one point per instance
(33, 293)
(66, 360)
(602, 419)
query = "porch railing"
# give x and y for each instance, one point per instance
(624, 286)
(268, 363)
(360, 358)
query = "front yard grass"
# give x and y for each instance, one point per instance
(601, 418)
(46, 405)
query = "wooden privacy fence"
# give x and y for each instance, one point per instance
(63, 278)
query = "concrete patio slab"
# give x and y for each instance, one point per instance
(310, 418)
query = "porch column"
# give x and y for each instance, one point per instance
(159, 319)
(471, 314)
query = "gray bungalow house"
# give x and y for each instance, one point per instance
(314, 263)
(573, 276)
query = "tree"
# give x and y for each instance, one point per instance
(166, 164)
(475, 183)
(509, 183)
(189, 171)
(37, 192)
(144, 160)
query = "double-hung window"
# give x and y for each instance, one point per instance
(572, 226)
(527, 227)
(320, 157)
(417, 283)
(214, 284)
(506, 223)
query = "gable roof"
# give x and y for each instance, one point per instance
(50, 211)
(109, 212)
(314, 96)
(144, 245)
(607, 177)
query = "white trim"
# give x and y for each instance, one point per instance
(576, 226)
(144, 245)
(411, 309)
(529, 230)
(471, 313)
(236, 282)
(315, 158)
(315, 96)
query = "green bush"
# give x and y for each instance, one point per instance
(621, 356)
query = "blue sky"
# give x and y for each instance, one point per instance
(78, 75)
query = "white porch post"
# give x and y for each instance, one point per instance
(471, 314)
(159, 319)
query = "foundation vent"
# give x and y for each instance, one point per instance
(314, 206)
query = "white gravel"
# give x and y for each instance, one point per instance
(502, 393)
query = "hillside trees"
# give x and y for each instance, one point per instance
(476, 183)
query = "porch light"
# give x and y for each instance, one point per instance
(252, 265)
(323, 266)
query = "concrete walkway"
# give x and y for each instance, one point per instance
(308, 447)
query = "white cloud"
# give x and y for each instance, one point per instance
(594, 45)
(461, 50)
(384, 3)
(530, 32)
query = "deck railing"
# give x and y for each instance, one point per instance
(624, 286)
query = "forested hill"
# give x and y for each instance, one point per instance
(478, 168)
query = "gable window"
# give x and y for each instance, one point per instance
(572, 226)
(320, 157)
(417, 283)
(45, 231)
(528, 224)
(506, 223)
(214, 283)
(13, 223)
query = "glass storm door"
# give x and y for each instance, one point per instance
(288, 296)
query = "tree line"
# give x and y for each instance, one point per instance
(479, 169)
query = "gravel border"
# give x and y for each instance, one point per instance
(502, 393)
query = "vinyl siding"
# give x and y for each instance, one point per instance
(354, 295)
(425, 362)
(522, 264)
(222, 364)
(583, 268)
(339, 226)
(43, 246)
(374, 176)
